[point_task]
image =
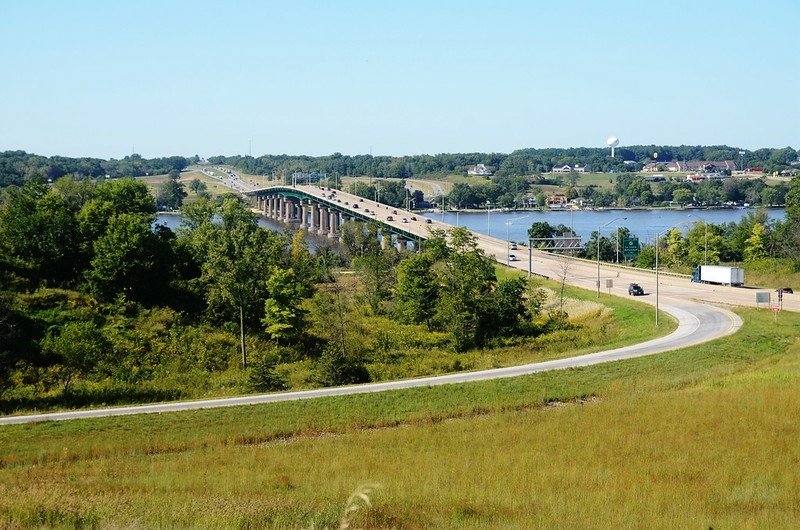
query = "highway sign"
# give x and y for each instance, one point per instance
(630, 247)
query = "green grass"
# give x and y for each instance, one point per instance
(704, 436)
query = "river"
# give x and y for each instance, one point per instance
(643, 224)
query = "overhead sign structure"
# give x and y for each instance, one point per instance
(630, 247)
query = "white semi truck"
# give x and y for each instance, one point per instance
(719, 275)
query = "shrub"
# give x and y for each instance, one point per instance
(263, 377)
(338, 368)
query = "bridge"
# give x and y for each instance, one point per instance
(323, 211)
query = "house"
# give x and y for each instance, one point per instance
(557, 200)
(479, 170)
(699, 177)
(566, 168)
(691, 165)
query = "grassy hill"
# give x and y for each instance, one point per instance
(705, 436)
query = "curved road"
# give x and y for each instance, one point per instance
(696, 323)
(689, 303)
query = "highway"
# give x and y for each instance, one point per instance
(696, 307)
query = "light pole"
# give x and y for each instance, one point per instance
(488, 224)
(508, 244)
(657, 245)
(598, 250)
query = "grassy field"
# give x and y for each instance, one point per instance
(701, 437)
(214, 187)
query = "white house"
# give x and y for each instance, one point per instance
(479, 170)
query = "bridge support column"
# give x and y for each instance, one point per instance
(316, 213)
(333, 223)
(303, 214)
(401, 243)
(324, 220)
(274, 202)
(386, 240)
(287, 209)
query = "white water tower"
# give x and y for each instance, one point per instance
(612, 142)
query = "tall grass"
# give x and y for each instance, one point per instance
(704, 436)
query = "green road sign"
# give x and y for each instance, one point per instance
(630, 247)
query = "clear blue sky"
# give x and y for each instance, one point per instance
(96, 78)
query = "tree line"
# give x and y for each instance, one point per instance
(16, 167)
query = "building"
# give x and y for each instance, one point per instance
(699, 177)
(479, 170)
(700, 166)
(566, 168)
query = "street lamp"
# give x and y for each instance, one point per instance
(598, 250)
(508, 244)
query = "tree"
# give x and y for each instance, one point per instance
(238, 257)
(79, 346)
(198, 186)
(263, 377)
(540, 230)
(377, 273)
(284, 317)
(682, 196)
(113, 197)
(39, 229)
(170, 195)
(417, 290)
(754, 246)
(792, 202)
(126, 260)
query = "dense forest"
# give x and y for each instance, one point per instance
(17, 167)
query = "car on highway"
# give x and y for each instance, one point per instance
(389, 218)
(512, 257)
(635, 289)
(513, 246)
(405, 220)
(413, 218)
(785, 290)
(355, 206)
(428, 221)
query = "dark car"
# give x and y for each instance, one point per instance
(786, 290)
(428, 221)
(635, 289)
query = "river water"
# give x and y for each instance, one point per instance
(643, 224)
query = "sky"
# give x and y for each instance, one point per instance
(170, 77)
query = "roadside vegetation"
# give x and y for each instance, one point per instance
(700, 436)
(97, 306)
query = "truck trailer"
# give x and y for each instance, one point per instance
(719, 275)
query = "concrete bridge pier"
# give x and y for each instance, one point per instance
(333, 223)
(401, 243)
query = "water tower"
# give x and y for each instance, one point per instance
(612, 143)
